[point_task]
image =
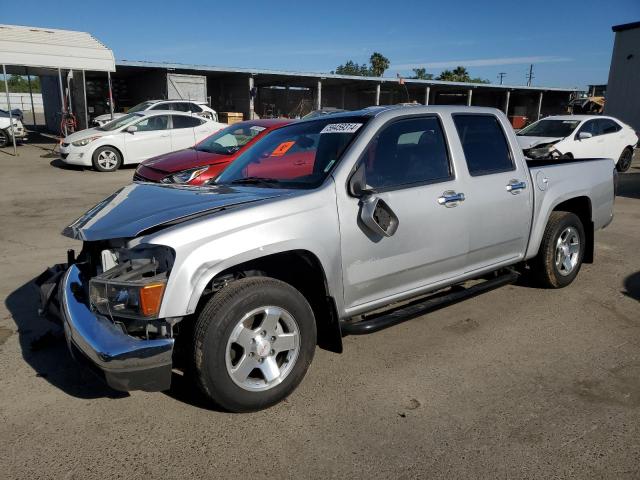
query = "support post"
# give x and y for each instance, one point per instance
(84, 93)
(377, 94)
(319, 97)
(469, 97)
(427, 91)
(33, 109)
(251, 103)
(63, 111)
(110, 95)
(6, 89)
(539, 106)
(506, 103)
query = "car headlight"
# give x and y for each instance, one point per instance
(134, 287)
(83, 142)
(185, 176)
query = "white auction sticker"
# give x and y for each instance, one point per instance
(341, 128)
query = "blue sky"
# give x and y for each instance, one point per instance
(569, 42)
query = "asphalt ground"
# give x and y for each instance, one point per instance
(517, 383)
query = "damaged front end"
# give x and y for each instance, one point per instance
(109, 300)
(545, 151)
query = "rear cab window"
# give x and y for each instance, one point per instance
(484, 143)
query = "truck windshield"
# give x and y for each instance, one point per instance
(229, 140)
(550, 128)
(299, 155)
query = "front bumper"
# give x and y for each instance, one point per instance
(72, 156)
(124, 362)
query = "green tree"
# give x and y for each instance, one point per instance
(459, 74)
(20, 84)
(379, 63)
(421, 74)
(352, 68)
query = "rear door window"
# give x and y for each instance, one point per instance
(181, 121)
(484, 144)
(608, 126)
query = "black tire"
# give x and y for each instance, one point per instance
(545, 267)
(220, 318)
(566, 156)
(625, 160)
(4, 138)
(102, 166)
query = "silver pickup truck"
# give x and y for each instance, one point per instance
(340, 225)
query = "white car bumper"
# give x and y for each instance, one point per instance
(74, 155)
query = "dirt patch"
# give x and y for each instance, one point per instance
(463, 326)
(5, 333)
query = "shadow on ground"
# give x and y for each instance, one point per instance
(632, 286)
(45, 350)
(629, 184)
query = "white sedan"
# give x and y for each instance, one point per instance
(579, 136)
(201, 109)
(134, 138)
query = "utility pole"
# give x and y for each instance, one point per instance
(501, 75)
(530, 75)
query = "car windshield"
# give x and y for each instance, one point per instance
(299, 155)
(120, 122)
(140, 107)
(550, 128)
(229, 140)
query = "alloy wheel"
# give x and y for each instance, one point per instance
(263, 348)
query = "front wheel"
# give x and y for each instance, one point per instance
(624, 162)
(253, 343)
(106, 159)
(561, 251)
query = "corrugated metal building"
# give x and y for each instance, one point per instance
(623, 88)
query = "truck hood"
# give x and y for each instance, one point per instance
(184, 159)
(530, 142)
(142, 206)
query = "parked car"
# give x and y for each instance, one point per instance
(188, 106)
(134, 138)
(238, 281)
(580, 136)
(5, 130)
(15, 112)
(205, 161)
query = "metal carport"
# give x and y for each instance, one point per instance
(39, 51)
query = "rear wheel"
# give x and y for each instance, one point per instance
(253, 343)
(624, 162)
(106, 159)
(561, 251)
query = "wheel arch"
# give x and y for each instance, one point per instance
(581, 207)
(119, 150)
(304, 271)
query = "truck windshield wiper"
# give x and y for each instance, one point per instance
(256, 181)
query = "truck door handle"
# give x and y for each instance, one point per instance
(451, 199)
(515, 186)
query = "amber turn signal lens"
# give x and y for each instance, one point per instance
(150, 298)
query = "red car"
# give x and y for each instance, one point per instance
(207, 159)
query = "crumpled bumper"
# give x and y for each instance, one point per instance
(124, 362)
